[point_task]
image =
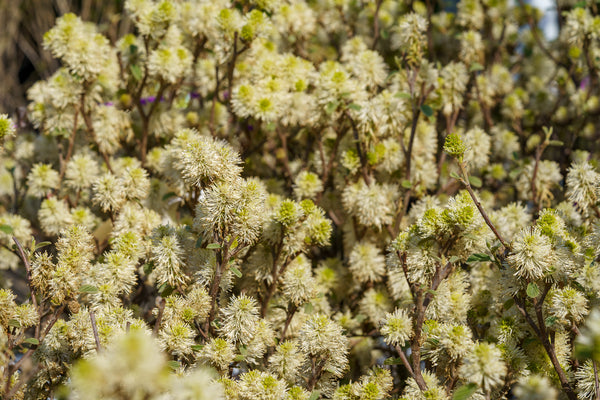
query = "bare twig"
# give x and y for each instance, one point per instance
(95, 330)
(465, 181)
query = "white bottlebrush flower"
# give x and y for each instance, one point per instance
(108, 192)
(307, 185)
(531, 254)
(135, 183)
(535, 387)
(287, 361)
(471, 47)
(82, 170)
(110, 124)
(177, 338)
(170, 64)
(478, 147)
(132, 367)
(299, 286)
(42, 179)
(568, 304)
(586, 381)
(375, 304)
(322, 338)
(547, 178)
(202, 159)
(583, 186)
(257, 385)
(372, 205)
(435, 391)
(484, 366)
(218, 353)
(54, 215)
(366, 263)
(168, 254)
(240, 319)
(397, 327)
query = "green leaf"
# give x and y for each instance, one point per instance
(243, 350)
(148, 267)
(515, 173)
(308, 308)
(454, 259)
(508, 304)
(14, 323)
(88, 289)
(212, 246)
(32, 341)
(331, 107)
(425, 109)
(42, 244)
(403, 95)
(199, 243)
(169, 195)
(556, 143)
(174, 365)
(7, 229)
(476, 67)
(551, 320)
(392, 361)
(165, 289)
(478, 257)
(360, 318)
(465, 391)
(475, 181)
(136, 72)
(455, 176)
(197, 347)
(315, 395)
(354, 106)
(533, 290)
(406, 184)
(239, 358)
(236, 271)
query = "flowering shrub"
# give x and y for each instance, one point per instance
(289, 199)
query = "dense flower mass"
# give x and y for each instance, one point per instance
(303, 200)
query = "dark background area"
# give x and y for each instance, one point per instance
(23, 60)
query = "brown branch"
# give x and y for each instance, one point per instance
(487, 220)
(95, 330)
(405, 362)
(63, 167)
(161, 310)
(376, 24)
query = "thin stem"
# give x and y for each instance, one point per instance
(63, 167)
(405, 361)
(95, 330)
(161, 310)
(28, 271)
(288, 320)
(487, 220)
(534, 194)
(376, 24)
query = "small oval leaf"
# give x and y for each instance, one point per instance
(464, 392)
(533, 290)
(427, 110)
(89, 289)
(236, 272)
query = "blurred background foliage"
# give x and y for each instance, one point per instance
(23, 60)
